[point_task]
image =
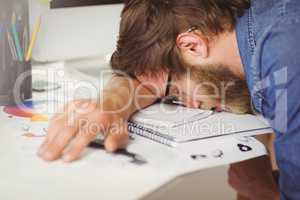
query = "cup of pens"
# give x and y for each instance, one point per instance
(15, 53)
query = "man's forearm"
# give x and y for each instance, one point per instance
(128, 95)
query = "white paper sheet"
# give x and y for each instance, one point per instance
(167, 116)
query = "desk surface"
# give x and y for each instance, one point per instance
(103, 175)
(98, 174)
(23, 174)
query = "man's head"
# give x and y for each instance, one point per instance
(181, 36)
(156, 35)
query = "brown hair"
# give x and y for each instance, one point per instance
(149, 28)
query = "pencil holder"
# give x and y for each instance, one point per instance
(15, 72)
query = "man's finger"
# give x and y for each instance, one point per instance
(62, 129)
(117, 138)
(54, 148)
(54, 128)
(56, 123)
(81, 141)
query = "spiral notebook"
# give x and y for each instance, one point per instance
(172, 124)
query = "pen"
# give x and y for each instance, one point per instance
(33, 39)
(173, 100)
(136, 159)
(178, 103)
(16, 38)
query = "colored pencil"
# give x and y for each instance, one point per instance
(12, 46)
(33, 39)
(16, 38)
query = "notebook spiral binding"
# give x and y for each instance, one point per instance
(140, 130)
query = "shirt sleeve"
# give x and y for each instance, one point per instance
(280, 64)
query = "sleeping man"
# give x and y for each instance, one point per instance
(254, 44)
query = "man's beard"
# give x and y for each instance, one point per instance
(222, 87)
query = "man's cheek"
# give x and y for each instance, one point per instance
(156, 83)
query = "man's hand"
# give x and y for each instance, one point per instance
(80, 121)
(71, 131)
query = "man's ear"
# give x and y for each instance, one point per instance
(195, 44)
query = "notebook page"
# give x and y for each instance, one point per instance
(166, 116)
(216, 125)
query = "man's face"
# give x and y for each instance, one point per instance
(211, 81)
(212, 86)
(193, 93)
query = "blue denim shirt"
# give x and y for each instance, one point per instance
(269, 42)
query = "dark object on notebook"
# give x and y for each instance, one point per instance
(136, 159)
(172, 100)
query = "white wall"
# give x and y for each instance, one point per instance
(73, 33)
(35, 10)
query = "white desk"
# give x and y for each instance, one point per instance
(98, 175)
(23, 174)
(101, 175)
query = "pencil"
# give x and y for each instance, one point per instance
(25, 40)
(33, 39)
(12, 46)
(16, 38)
